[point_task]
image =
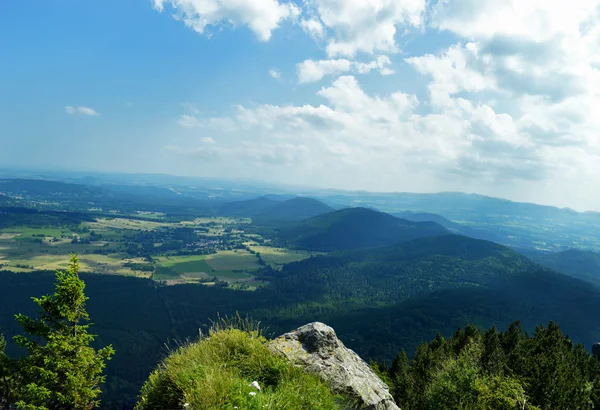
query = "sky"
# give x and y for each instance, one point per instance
(495, 97)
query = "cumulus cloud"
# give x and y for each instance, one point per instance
(260, 16)
(71, 110)
(509, 109)
(368, 26)
(314, 28)
(310, 71)
(208, 140)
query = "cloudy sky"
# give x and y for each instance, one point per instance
(495, 97)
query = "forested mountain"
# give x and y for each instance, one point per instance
(292, 210)
(519, 224)
(355, 228)
(247, 208)
(578, 263)
(266, 210)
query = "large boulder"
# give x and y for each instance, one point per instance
(316, 348)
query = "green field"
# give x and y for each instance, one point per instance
(230, 266)
(233, 260)
(277, 257)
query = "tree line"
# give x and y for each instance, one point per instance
(477, 370)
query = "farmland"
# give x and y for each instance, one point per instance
(212, 251)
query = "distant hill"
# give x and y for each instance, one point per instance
(266, 210)
(247, 208)
(517, 224)
(292, 210)
(578, 263)
(39, 188)
(355, 228)
(453, 227)
(55, 195)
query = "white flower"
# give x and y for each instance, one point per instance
(252, 393)
(255, 385)
(186, 405)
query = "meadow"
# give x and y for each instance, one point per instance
(229, 266)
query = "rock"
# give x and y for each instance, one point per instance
(596, 349)
(316, 348)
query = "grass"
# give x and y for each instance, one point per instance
(233, 260)
(228, 266)
(186, 264)
(217, 373)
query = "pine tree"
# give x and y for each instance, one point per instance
(61, 370)
(7, 375)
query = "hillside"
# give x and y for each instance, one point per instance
(384, 299)
(387, 275)
(273, 210)
(292, 210)
(578, 263)
(355, 228)
(247, 208)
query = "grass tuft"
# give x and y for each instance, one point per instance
(217, 373)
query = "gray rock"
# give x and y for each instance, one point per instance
(596, 349)
(316, 348)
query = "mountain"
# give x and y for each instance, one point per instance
(519, 224)
(385, 299)
(454, 227)
(355, 228)
(275, 209)
(293, 210)
(581, 264)
(247, 208)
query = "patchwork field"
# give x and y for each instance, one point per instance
(277, 257)
(130, 246)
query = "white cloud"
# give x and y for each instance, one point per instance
(276, 74)
(509, 109)
(208, 140)
(260, 16)
(314, 28)
(368, 26)
(71, 110)
(310, 71)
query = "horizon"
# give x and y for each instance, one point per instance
(287, 189)
(376, 96)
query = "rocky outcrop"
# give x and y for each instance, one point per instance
(316, 348)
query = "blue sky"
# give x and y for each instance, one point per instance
(389, 95)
